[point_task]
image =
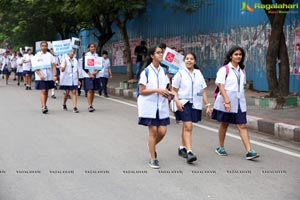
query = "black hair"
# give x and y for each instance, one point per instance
(230, 53)
(162, 46)
(89, 45)
(28, 50)
(43, 42)
(194, 55)
(20, 55)
(151, 52)
(104, 52)
(143, 42)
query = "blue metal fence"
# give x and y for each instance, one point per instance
(209, 33)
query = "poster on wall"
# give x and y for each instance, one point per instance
(118, 53)
(173, 42)
(296, 69)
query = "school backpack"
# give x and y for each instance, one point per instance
(147, 74)
(217, 89)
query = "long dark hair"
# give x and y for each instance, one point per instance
(151, 51)
(230, 53)
(194, 55)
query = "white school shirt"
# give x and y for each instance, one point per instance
(85, 75)
(13, 62)
(80, 68)
(5, 61)
(27, 66)
(149, 104)
(48, 74)
(190, 86)
(19, 64)
(69, 77)
(234, 91)
(104, 72)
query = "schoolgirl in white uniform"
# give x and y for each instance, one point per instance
(19, 68)
(188, 86)
(44, 78)
(153, 108)
(27, 69)
(105, 74)
(80, 70)
(5, 68)
(69, 79)
(13, 62)
(91, 78)
(230, 104)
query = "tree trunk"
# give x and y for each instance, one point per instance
(277, 50)
(284, 68)
(127, 52)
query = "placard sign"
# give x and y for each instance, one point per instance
(62, 47)
(93, 63)
(39, 62)
(173, 60)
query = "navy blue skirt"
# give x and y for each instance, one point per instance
(67, 87)
(27, 72)
(20, 74)
(91, 84)
(188, 114)
(44, 85)
(232, 118)
(6, 71)
(154, 122)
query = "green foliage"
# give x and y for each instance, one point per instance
(188, 6)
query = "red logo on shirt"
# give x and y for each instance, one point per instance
(170, 57)
(90, 62)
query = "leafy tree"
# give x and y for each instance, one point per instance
(277, 52)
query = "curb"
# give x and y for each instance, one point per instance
(280, 130)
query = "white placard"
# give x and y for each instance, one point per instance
(173, 59)
(38, 45)
(62, 47)
(2, 51)
(76, 43)
(38, 62)
(93, 63)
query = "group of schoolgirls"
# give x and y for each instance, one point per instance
(189, 96)
(20, 64)
(72, 75)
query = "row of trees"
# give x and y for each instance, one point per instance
(23, 22)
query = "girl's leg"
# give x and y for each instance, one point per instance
(66, 96)
(161, 132)
(90, 97)
(244, 136)
(44, 97)
(74, 98)
(29, 81)
(152, 140)
(222, 133)
(186, 139)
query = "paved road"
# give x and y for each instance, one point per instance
(103, 155)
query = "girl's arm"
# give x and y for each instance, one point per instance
(161, 91)
(205, 101)
(178, 103)
(226, 98)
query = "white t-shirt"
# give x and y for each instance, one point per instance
(69, 77)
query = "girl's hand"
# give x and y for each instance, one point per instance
(227, 106)
(163, 92)
(79, 83)
(208, 111)
(179, 106)
(42, 77)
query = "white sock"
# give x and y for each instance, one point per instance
(189, 151)
(182, 147)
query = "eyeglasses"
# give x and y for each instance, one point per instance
(159, 52)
